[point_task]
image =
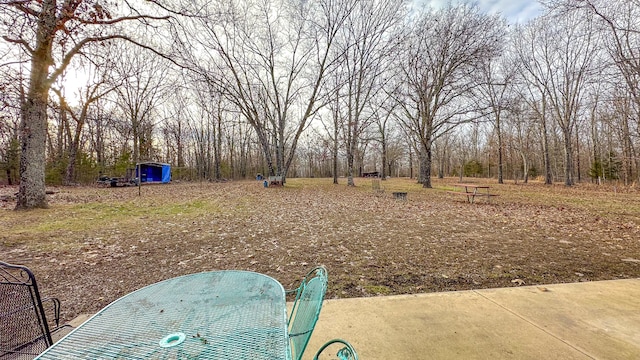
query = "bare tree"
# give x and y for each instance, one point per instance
(496, 78)
(271, 59)
(442, 49)
(11, 97)
(367, 43)
(383, 118)
(619, 20)
(51, 34)
(142, 84)
(88, 95)
(208, 131)
(98, 125)
(534, 95)
(332, 127)
(558, 56)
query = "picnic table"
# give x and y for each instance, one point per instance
(472, 190)
(209, 315)
(275, 181)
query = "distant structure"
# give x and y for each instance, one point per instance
(153, 172)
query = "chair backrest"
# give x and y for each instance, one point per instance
(306, 310)
(24, 331)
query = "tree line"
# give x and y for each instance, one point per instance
(228, 89)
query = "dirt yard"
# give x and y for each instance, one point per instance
(96, 244)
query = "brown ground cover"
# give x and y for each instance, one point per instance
(96, 244)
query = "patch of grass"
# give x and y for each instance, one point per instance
(315, 183)
(393, 185)
(87, 217)
(377, 289)
(133, 209)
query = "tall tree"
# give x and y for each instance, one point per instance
(11, 96)
(495, 80)
(367, 43)
(558, 59)
(533, 94)
(619, 20)
(51, 33)
(208, 131)
(333, 124)
(88, 95)
(442, 49)
(383, 118)
(143, 84)
(271, 58)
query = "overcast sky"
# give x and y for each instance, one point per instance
(513, 10)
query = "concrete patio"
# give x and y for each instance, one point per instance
(590, 320)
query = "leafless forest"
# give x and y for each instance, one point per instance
(229, 89)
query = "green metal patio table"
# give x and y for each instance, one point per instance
(209, 315)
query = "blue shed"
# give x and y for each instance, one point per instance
(154, 172)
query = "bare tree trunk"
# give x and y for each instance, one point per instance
(71, 166)
(385, 171)
(217, 149)
(548, 180)
(31, 193)
(179, 145)
(99, 139)
(33, 127)
(578, 170)
(335, 152)
(525, 167)
(568, 158)
(627, 152)
(410, 161)
(427, 169)
(500, 149)
(350, 161)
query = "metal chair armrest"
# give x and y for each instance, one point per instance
(345, 353)
(56, 311)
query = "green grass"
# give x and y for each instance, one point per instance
(377, 289)
(127, 209)
(91, 216)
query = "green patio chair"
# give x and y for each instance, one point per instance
(347, 352)
(306, 309)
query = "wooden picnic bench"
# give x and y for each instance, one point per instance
(472, 190)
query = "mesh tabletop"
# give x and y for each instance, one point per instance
(211, 315)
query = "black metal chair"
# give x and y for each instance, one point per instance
(25, 323)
